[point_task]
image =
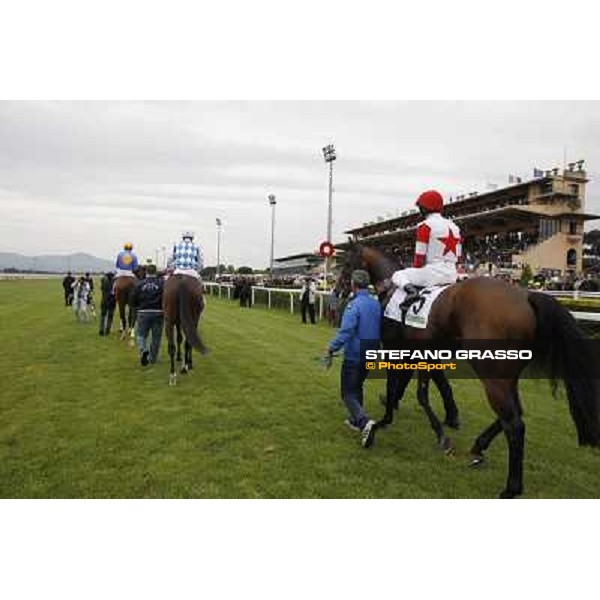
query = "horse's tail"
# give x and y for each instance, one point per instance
(186, 317)
(561, 351)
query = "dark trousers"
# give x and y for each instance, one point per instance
(149, 323)
(107, 310)
(311, 311)
(246, 300)
(68, 297)
(352, 379)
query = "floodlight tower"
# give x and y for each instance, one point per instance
(219, 228)
(272, 204)
(329, 155)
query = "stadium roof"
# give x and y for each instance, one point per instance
(472, 201)
(496, 217)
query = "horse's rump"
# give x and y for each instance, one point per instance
(183, 303)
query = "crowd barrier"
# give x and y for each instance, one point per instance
(270, 297)
(290, 297)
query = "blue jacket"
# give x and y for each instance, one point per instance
(361, 321)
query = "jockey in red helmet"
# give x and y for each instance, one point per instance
(438, 247)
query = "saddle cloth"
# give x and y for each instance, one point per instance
(417, 314)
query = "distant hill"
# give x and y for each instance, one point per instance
(54, 263)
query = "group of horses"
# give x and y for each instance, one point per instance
(480, 309)
(183, 303)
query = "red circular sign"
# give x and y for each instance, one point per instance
(326, 249)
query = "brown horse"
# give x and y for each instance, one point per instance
(490, 309)
(183, 303)
(124, 287)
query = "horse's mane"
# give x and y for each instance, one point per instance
(354, 252)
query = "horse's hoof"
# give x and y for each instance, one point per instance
(446, 446)
(184, 370)
(476, 460)
(172, 380)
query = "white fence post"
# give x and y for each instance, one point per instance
(269, 298)
(253, 297)
(228, 293)
(292, 302)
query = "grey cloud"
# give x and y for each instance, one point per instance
(144, 170)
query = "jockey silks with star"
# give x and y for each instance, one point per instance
(127, 262)
(187, 256)
(438, 247)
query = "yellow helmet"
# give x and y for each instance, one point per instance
(128, 246)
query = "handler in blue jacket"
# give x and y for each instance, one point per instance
(361, 321)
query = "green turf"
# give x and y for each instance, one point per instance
(257, 418)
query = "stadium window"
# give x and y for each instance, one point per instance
(546, 187)
(572, 257)
(574, 189)
(572, 227)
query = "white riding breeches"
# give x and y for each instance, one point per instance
(434, 274)
(124, 273)
(190, 272)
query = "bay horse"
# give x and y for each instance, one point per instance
(490, 309)
(123, 288)
(183, 303)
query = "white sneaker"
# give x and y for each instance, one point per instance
(351, 425)
(368, 434)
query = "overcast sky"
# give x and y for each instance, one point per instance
(89, 176)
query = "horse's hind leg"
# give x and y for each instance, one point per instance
(445, 390)
(423, 398)
(187, 351)
(189, 358)
(171, 348)
(179, 342)
(122, 322)
(504, 399)
(483, 442)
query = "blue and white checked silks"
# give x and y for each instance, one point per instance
(187, 256)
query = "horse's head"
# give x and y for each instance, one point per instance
(376, 263)
(353, 260)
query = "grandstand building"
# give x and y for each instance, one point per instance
(538, 222)
(296, 265)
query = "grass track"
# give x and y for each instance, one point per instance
(257, 418)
